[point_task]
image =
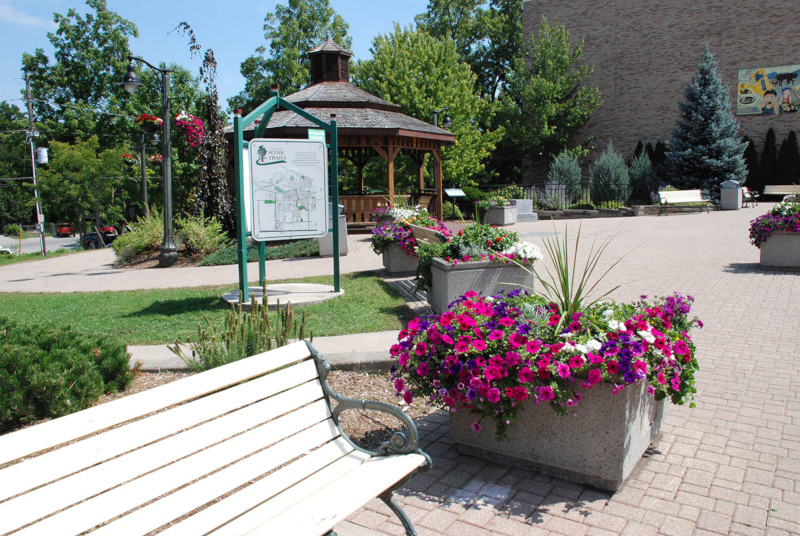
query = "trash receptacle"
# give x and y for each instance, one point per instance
(730, 195)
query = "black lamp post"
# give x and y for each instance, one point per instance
(169, 253)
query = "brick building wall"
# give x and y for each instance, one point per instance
(644, 54)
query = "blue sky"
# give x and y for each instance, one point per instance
(233, 29)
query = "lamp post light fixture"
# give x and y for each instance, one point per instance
(169, 253)
(446, 123)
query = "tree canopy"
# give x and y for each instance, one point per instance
(290, 31)
(423, 74)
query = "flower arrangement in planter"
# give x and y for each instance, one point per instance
(478, 242)
(381, 213)
(129, 159)
(192, 127)
(149, 123)
(488, 354)
(784, 216)
(398, 233)
(156, 159)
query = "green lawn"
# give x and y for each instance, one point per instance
(164, 316)
(11, 259)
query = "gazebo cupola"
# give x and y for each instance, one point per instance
(329, 63)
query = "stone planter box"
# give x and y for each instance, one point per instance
(781, 249)
(599, 446)
(484, 277)
(525, 210)
(501, 216)
(384, 220)
(396, 261)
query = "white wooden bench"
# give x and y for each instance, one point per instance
(749, 197)
(252, 447)
(782, 189)
(674, 197)
(423, 235)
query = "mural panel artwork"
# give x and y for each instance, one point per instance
(768, 91)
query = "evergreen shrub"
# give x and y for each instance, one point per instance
(643, 180)
(47, 373)
(610, 184)
(565, 171)
(202, 235)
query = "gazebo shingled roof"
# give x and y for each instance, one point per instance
(368, 126)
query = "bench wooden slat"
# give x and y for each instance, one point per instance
(218, 514)
(209, 489)
(423, 234)
(83, 423)
(317, 513)
(292, 496)
(103, 477)
(782, 189)
(113, 503)
(682, 196)
(94, 450)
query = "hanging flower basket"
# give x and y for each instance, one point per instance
(192, 127)
(129, 159)
(149, 123)
(156, 159)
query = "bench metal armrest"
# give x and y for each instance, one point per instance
(400, 443)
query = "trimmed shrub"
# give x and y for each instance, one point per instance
(291, 250)
(610, 185)
(12, 230)
(642, 179)
(750, 162)
(47, 373)
(145, 236)
(202, 235)
(565, 170)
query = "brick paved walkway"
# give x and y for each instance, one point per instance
(729, 466)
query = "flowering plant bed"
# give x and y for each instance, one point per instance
(477, 242)
(784, 216)
(486, 356)
(399, 232)
(193, 128)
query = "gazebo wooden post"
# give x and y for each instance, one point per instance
(389, 154)
(437, 157)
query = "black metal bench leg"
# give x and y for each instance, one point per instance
(388, 498)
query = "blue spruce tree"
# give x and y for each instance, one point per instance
(705, 149)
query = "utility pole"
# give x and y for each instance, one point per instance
(30, 135)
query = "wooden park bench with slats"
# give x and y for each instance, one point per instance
(749, 197)
(423, 234)
(673, 197)
(252, 447)
(782, 189)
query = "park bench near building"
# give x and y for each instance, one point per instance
(749, 197)
(679, 197)
(252, 447)
(782, 189)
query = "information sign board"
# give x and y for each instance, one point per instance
(289, 189)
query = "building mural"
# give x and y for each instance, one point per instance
(768, 91)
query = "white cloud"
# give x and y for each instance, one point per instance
(11, 15)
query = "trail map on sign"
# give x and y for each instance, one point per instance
(289, 189)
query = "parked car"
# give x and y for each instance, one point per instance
(108, 233)
(65, 229)
(5, 251)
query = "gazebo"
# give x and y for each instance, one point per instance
(368, 127)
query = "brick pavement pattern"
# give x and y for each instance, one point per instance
(731, 465)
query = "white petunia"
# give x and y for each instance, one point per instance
(594, 345)
(524, 250)
(646, 335)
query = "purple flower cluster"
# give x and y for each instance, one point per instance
(762, 227)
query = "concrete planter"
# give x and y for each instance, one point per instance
(525, 210)
(484, 277)
(501, 216)
(599, 446)
(326, 242)
(781, 249)
(396, 261)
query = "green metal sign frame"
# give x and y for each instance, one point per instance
(276, 102)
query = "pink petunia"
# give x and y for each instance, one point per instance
(680, 347)
(595, 359)
(471, 294)
(423, 369)
(493, 395)
(563, 370)
(533, 346)
(640, 366)
(612, 367)
(421, 349)
(476, 427)
(403, 359)
(399, 385)
(479, 345)
(520, 393)
(526, 375)
(546, 394)
(516, 340)
(676, 383)
(576, 361)
(661, 379)
(512, 359)
(618, 388)
(506, 321)
(408, 396)
(594, 376)
(495, 335)
(447, 339)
